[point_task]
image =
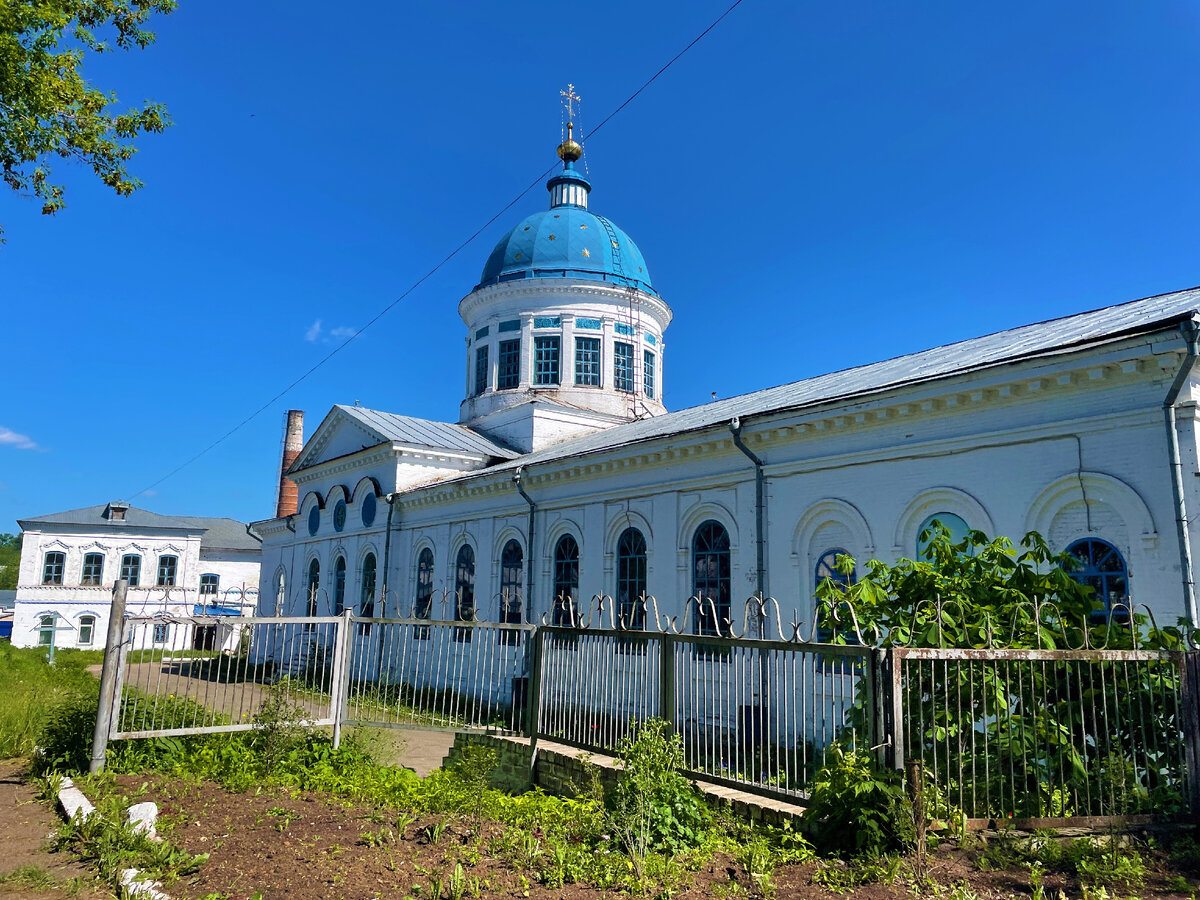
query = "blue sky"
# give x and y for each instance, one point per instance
(814, 186)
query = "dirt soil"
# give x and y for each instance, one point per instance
(26, 824)
(310, 847)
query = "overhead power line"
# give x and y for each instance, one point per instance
(442, 262)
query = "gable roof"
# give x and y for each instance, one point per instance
(389, 428)
(218, 533)
(1012, 345)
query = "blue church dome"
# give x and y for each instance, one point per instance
(567, 241)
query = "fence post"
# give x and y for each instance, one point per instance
(109, 674)
(339, 687)
(533, 698)
(1189, 703)
(895, 666)
(666, 679)
(875, 693)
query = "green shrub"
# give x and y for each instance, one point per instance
(856, 807)
(654, 807)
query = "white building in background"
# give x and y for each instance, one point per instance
(565, 475)
(176, 566)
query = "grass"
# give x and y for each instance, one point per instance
(33, 691)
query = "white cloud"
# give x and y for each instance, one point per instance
(314, 331)
(343, 331)
(20, 441)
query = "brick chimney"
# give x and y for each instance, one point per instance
(293, 443)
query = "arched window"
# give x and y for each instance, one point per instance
(339, 585)
(711, 577)
(423, 604)
(314, 587)
(280, 593)
(631, 578)
(464, 591)
(93, 569)
(1104, 571)
(52, 568)
(566, 581)
(168, 567)
(834, 620)
(87, 630)
(512, 571)
(957, 527)
(366, 593)
(131, 568)
(46, 630)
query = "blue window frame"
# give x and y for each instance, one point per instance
(508, 365)
(168, 567)
(566, 581)
(481, 369)
(93, 570)
(339, 515)
(1104, 571)
(587, 361)
(339, 585)
(464, 591)
(131, 568)
(160, 634)
(631, 578)
(623, 366)
(52, 567)
(423, 602)
(512, 573)
(314, 588)
(366, 593)
(648, 372)
(87, 630)
(210, 584)
(546, 369)
(711, 585)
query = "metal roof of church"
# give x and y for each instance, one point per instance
(426, 432)
(1136, 316)
(219, 534)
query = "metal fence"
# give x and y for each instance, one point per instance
(1057, 734)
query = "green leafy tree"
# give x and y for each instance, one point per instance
(1046, 737)
(49, 109)
(10, 560)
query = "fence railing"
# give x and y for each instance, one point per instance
(1044, 735)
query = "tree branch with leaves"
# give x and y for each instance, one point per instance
(49, 109)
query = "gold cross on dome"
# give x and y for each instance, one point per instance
(570, 98)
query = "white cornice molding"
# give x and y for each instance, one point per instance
(564, 290)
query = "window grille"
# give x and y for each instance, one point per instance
(508, 371)
(93, 570)
(648, 371)
(566, 580)
(587, 361)
(623, 366)
(546, 360)
(131, 568)
(339, 585)
(1104, 571)
(631, 578)
(481, 369)
(52, 569)
(711, 577)
(464, 591)
(209, 585)
(167, 566)
(423, 606)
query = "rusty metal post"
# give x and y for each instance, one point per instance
(895, 659)
(1189, 704)
(109, 675)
